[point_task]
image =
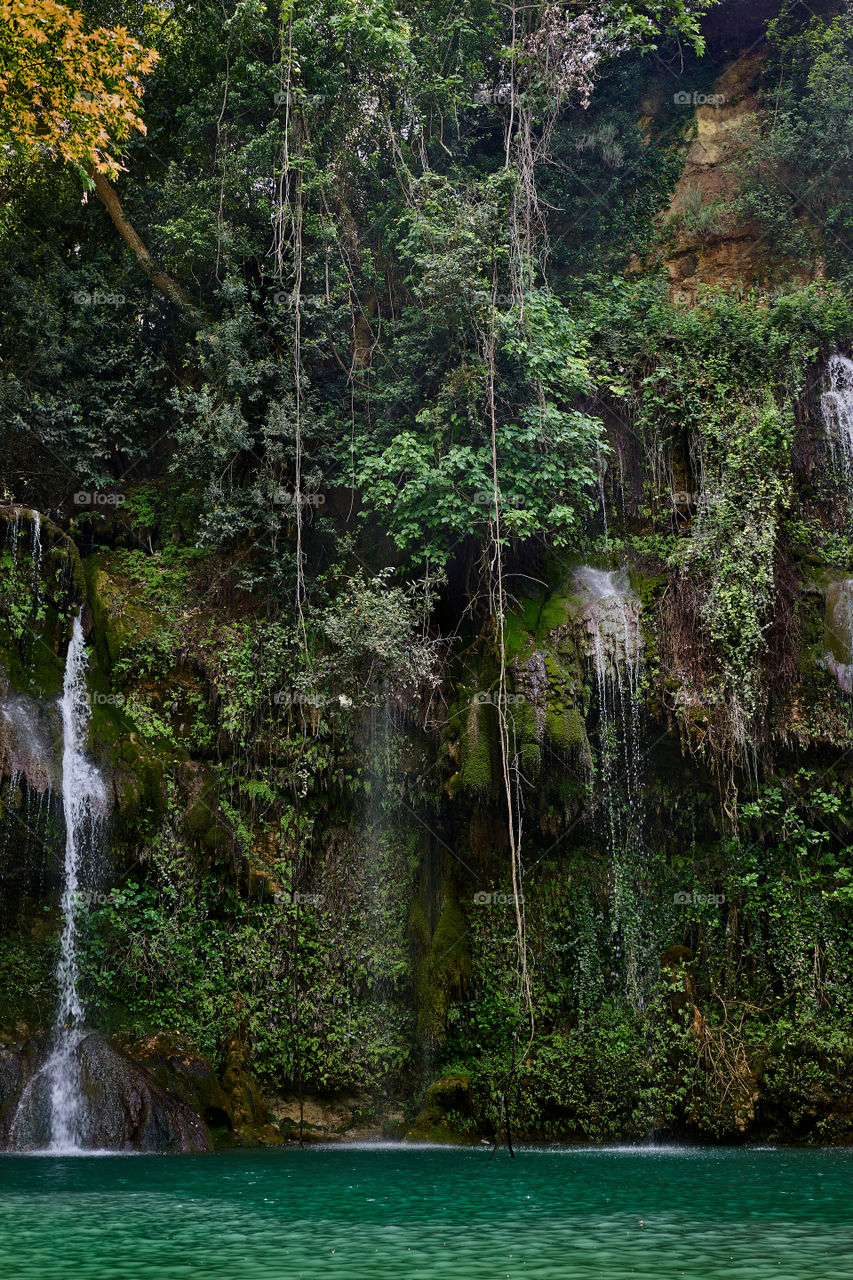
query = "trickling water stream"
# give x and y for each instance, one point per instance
(83, 802)
(611, 619)
(37, 559)
(836, 404)
(838, 633)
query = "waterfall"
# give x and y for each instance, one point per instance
(83, 802)
(611, 620)
(838, 633)
(836, 404)
(12, 534)
(37, 559)
(601, 468)
(83, 798)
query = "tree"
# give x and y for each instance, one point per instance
(65, 92)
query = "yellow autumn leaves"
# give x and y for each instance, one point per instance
(66, 92)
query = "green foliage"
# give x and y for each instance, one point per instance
(717, 386)
(431, 483)
(27, 979)
(796, 172)
(182, 950)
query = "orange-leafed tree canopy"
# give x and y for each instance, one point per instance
(66, 92)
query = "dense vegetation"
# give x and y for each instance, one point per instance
(380, 343)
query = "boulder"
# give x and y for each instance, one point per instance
(448, 1101)
(122, 1105)
(187, 1075)
(249, 1110)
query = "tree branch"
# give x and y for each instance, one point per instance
(166, 285)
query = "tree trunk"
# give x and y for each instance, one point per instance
(167, 286)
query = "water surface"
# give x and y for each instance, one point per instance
(392, 1213)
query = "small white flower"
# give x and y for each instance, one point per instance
(344, 700)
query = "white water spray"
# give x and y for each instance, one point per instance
(838, 633)
(37, 559)
(83, 798)
(83, 803)
(611, 617)
(836, 404)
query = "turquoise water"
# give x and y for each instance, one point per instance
(426, 1214)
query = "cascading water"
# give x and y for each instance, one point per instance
(611, 619)
(838, 633)
(83, 803)
(83, 800)
(836, 404)
(13, 534)
(28, 730)
(37, 559)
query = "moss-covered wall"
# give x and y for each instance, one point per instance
(303, 865)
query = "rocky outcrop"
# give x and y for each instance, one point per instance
(251, 1118)
(704, 242)
(123, 1107)
(709, 247)
(187, 1075)
(30, 732)
(449, 1102)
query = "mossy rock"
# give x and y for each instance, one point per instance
(201, 813)
(524, 722)
(443, 972)
(39, 594)
(530, 759)
(141, 789)
(447, 1101)
(292, 1131)
(478, 748)
(185, 1073)
(118, 622)
(565, 728)
(418, 929)
(247, 1105)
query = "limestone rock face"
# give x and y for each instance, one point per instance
(123, 1106)
(708, 249)
(248, 1108)
(838, 632)
(30, 732)
(446, 1100)
(708, 245)
(186, 1074)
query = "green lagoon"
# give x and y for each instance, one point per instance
(392, 1213)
